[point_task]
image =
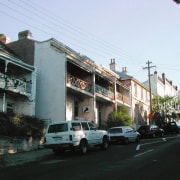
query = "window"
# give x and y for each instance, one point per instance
(146, 96)
(76, 126)
(58, 128)
(115, 130)
(76, 108)
(91, 125)
(85, 126)
(135, 90)
(10, 107)
(142, 94)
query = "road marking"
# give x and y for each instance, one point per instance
(154, 142)
(138, 147)
(143, 153)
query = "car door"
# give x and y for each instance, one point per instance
(88, 132)
(131, 134)
(77, 132)
(95, 135)
(57, 133)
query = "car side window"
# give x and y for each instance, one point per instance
(85, 126)
(92, 126)
(119, 130)
(76, 126)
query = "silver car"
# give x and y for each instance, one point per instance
(123, 134)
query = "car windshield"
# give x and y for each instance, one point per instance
(115, 130)
(58, 128)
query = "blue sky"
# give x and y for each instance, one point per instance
(131, 31)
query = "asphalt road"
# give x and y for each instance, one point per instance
(151, 159)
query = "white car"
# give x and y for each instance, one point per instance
(74, 135)
(123, 134)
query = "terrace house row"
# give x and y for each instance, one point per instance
(17, 83)
(69, 85)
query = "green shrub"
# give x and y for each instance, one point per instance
(119, 117)
(18, 125)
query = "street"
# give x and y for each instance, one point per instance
(150, 159)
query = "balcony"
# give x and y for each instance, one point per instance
(103, 91)
(123, 98)
(14, 85)
(79, 83)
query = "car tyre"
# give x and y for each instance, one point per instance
(162, 134)
(153, 135)
(83, 147)
(126, 141)
(105, 143)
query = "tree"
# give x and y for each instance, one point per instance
(165, 109)
(119, 117)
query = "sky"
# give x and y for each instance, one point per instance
(132, 32)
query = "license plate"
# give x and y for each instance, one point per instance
(57, 138)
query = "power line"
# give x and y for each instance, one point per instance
(105, 47)
(59, 26)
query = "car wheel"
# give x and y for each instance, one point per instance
(105, 143)
(126, 141)
(162, 134)
(153, 135)
(83, 147)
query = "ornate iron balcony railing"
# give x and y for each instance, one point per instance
(101, 90)
(79, 83)
(8, 83)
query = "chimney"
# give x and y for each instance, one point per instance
(4, 39)
(124, 70)
(25, 35)
(113, 65)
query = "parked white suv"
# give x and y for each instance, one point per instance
(74, 135)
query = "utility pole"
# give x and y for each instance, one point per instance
(149, 78)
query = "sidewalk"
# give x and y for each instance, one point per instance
(7, 159)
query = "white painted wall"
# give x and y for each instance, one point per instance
(140, 98)
(51, 79)
(160, 88)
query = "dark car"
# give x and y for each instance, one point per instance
(150, 131)
(172, 127)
